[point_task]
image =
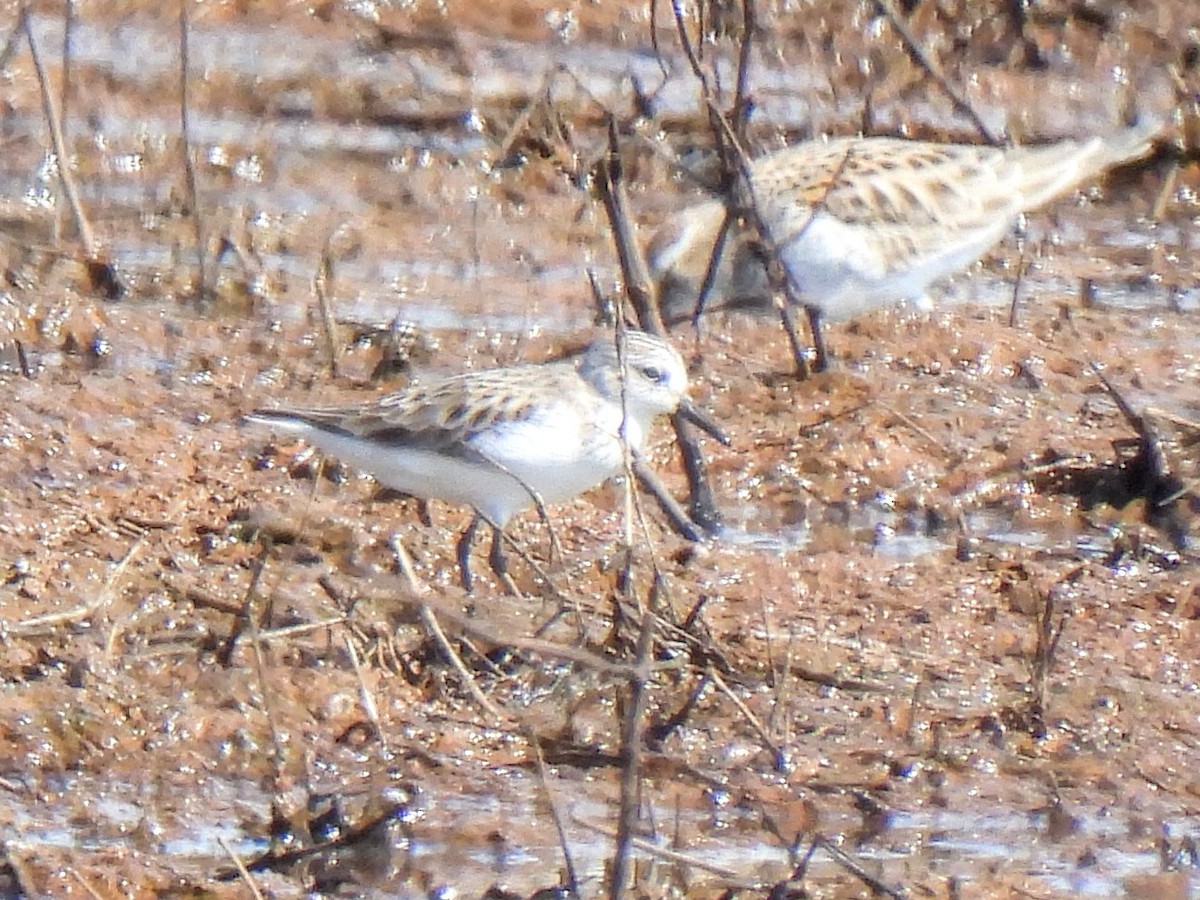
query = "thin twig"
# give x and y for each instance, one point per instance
(539, 762)
(777, 753)
(322, 285)
(643, 296)
(632, 498)
(632, 722)
(921, 58)
(1049, 633)
(495, 715)
(654, 45)
(740, 191)
(64, 97)
(603, 305)
(784, 684)
(656, 736)
(434, 629)
(538, 98)
(915, 705)
(741, 100)
(278, 756)
(674, 856)
(565, 596)
(23, 359)
(1014, 306)
(1165, 193)
(782, 278)
(36, 625)
(639, 286)
(289, 631)
(189, 167)
(365, 698)
(404, 561)
(86, 885)
(631, 759)
(483, 630)
(243, 872)
(850, 864)
(86, 236)
(713, 269)
(245, 612)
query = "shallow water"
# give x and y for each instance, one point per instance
(1087, 852)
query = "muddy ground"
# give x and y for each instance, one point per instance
(944, 646)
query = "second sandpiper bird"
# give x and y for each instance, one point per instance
(864, 222)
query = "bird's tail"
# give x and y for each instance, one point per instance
(1125, 146)
(1047, 172)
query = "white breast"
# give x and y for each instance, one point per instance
(845, 269)
(560, 451)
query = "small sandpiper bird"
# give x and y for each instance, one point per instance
(503, 440)
(864, 222)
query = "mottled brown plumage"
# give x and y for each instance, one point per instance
(504, 439)
(864, 222)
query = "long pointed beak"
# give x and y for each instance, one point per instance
(702, 421)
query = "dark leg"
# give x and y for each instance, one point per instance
(464, 551)
(821, 363)
(423, 513)
(789, 327)
(496, 557)
(814, 323)
(498, 562)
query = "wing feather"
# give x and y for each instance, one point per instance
(442, 416)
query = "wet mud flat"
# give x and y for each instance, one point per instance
(945, 644)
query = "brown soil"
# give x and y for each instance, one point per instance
(950, 631)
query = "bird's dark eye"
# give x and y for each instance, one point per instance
(653, 373)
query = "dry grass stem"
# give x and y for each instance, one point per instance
(54, 122)
(913, 47)
(851, 865)
(278, 756)
(322, 287)
(495, 715)
(434, 629)
(39, 625)
(732, 879)
(366, 698)
(539, 762)
(189, 166)
(639, 286)
(86, 885)
(764, 736)
(291, 631)
(64, 94)
(243, 872)
(635, 700)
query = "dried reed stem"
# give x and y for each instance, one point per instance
(189, 167)
(322, 286)
(49, 109)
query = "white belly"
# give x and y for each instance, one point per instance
(844, 270)
(558, 454)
